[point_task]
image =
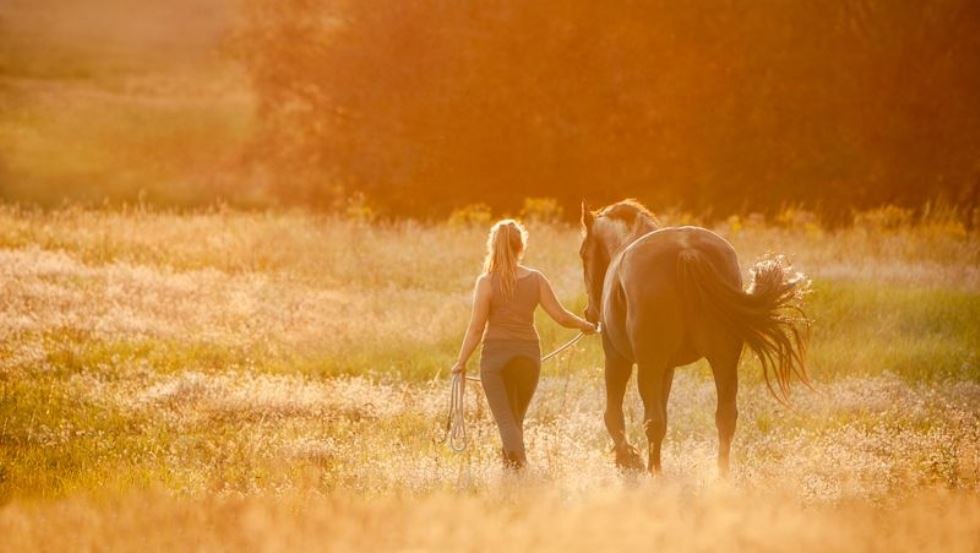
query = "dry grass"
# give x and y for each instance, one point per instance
(648, 517)
(225, 381)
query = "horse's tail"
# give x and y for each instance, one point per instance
(768, 316)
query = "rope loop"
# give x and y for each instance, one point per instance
(455, 434)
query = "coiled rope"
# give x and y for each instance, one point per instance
(455, 434)
(455, 430)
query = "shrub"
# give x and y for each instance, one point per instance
(884, 218)
(471, 215)
(541, 210)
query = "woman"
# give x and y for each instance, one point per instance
(504, 300)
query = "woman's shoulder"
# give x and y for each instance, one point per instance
(530, 272)
(484, 281)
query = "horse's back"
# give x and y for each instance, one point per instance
(655, 310)
(650, 263)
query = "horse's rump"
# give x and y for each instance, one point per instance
(768, 317)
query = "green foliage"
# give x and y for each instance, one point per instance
(884, 218)
(542, 210)
(478, 215)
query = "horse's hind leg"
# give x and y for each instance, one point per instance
(724, 365)
(617, 377)
(653, 384)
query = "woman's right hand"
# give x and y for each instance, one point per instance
(459, 368)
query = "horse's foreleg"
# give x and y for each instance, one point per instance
(652, 383)
(725, 369)
(668, 382)
(617, 376)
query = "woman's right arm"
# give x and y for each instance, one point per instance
(478, 321)
(555, 310)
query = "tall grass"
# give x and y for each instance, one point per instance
(224, 379)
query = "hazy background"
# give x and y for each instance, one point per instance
(416, 109)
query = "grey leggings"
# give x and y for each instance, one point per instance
(509, 388)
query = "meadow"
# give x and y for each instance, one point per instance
(225, 380)
(103, 102)
(216, 379)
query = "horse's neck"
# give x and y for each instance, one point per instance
(643, 227)
(617, 236)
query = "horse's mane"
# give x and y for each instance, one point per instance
(630, 212)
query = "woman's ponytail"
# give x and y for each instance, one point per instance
(505, 246)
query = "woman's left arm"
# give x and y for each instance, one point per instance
(557, 311)
(478, 321)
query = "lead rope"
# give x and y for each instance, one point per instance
(455, 430)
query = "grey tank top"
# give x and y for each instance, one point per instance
(512, 318)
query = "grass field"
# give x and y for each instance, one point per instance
(102, 101)
(229, 380)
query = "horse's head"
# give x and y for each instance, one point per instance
(595, 261)
(604, 233)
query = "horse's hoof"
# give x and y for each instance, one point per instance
(724, 467)
(628, 459)
(514, 462)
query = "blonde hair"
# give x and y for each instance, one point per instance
(505, 246)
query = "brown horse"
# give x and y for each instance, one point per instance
(670, 296)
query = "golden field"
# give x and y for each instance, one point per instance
(213, 379)
(224, 380)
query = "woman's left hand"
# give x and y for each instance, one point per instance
(459, 368)
(588, 328)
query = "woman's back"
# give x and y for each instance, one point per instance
(512, 317)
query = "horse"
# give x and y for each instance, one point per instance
(668, 296)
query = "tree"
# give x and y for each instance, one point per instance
(430, 104)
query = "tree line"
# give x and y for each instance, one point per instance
(423, 106)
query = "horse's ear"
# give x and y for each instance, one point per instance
(587, 217)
